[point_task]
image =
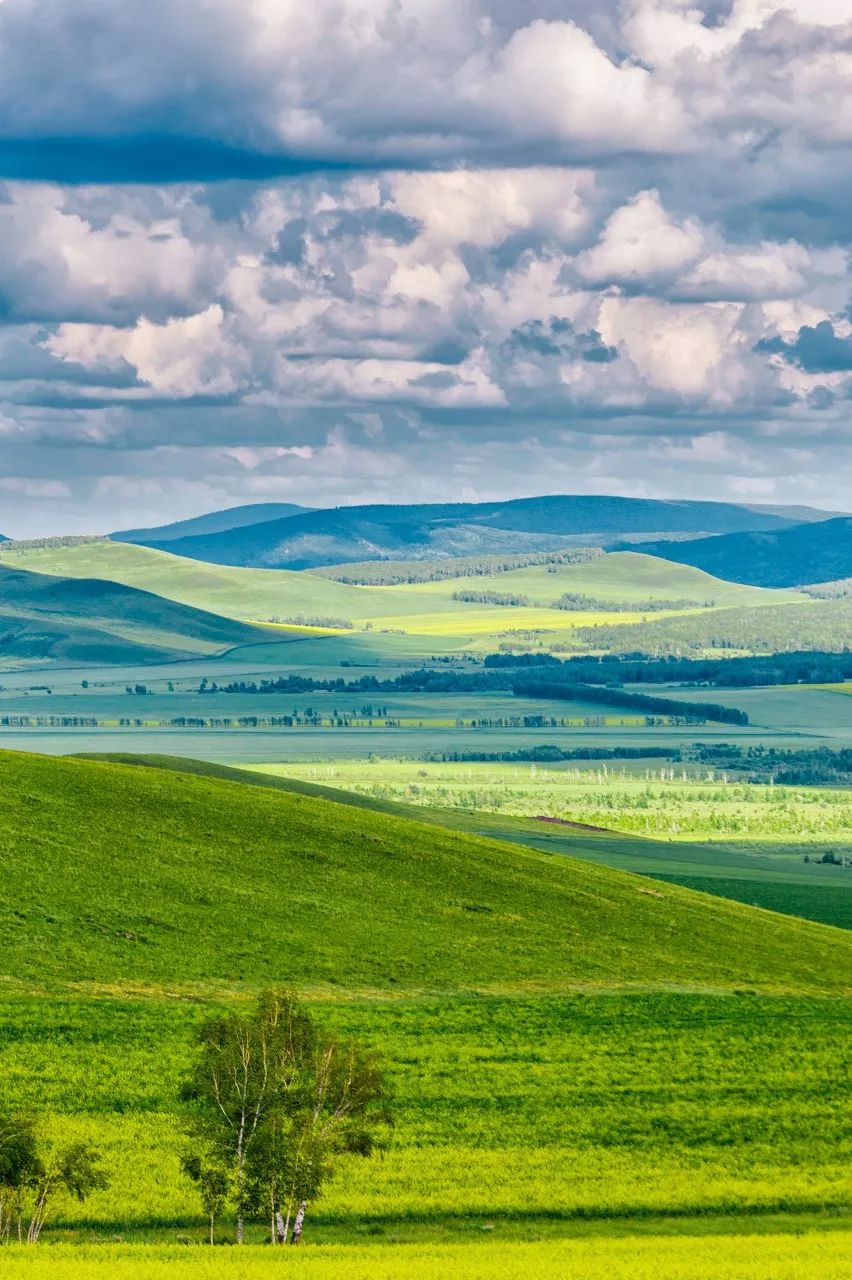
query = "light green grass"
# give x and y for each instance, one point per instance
(621, 576)
(766, 1257)
(56, 619)
(553, 1115)
(570, 1047)
(666, 802)
(425, 609)
(804, 709)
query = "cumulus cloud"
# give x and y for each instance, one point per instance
(218, 87)
(470, 243)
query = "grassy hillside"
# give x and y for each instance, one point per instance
(90, 620)
(426, 608)
(620, 577)
(530, 1097)
(462, 529)
(765, 875)
(823, 625)
(237, 593)
(807, 553)
(116, 874)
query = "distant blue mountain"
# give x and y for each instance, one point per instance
(215, 522)
(308, 538)
(793, 557)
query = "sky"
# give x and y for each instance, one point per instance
(415, 250)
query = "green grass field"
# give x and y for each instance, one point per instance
(760, 874)
(779, 1256)
(661, 802)
(426, 611)
(590, 1069)
(142, 875)
(738, 840)
(538, 1115)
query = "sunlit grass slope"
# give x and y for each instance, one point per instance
(238, 593)
(116, 875)
(759, 877)
(621, 576)
(426, 609)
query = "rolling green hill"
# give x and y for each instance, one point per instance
(259, 594)
(621, 577)
(807, 553)
(118, 875)
(91, 620)
(754, 877)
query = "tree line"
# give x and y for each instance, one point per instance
(550, 684)
(575, 602)
(813, 666)
(505, 599)
(270, 1102)
(640, 702)
(389, 573)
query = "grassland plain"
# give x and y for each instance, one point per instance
(777, 1257)
(532, 1114)
(662, 801)
(533, 1097)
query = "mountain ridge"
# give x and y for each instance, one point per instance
(445, 530)
(805, 554)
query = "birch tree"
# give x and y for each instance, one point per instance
(247, 1070)
(274, 1102)
(33, 1173)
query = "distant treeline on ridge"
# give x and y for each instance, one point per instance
(389, 573)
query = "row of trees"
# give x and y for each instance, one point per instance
(270, 1102)
(394, 572)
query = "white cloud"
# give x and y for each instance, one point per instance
(641, 243)
(563, 227)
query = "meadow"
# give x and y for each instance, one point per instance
(594, 1072)
(662, 802)
(426, 611)
(587, 1066)
(781, 848)
(534, 1115)
(779, 1256)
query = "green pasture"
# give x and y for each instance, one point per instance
(153, 877)
(738, 840)
(620, 576)
(589, 1068)
(535, 1115)
(778, 1256)
(810, 710)
(424, 610)
(662, 801)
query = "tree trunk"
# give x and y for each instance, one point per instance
(299, 1223)
(212, 1225)
(280, 1236)
(241, 1228)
